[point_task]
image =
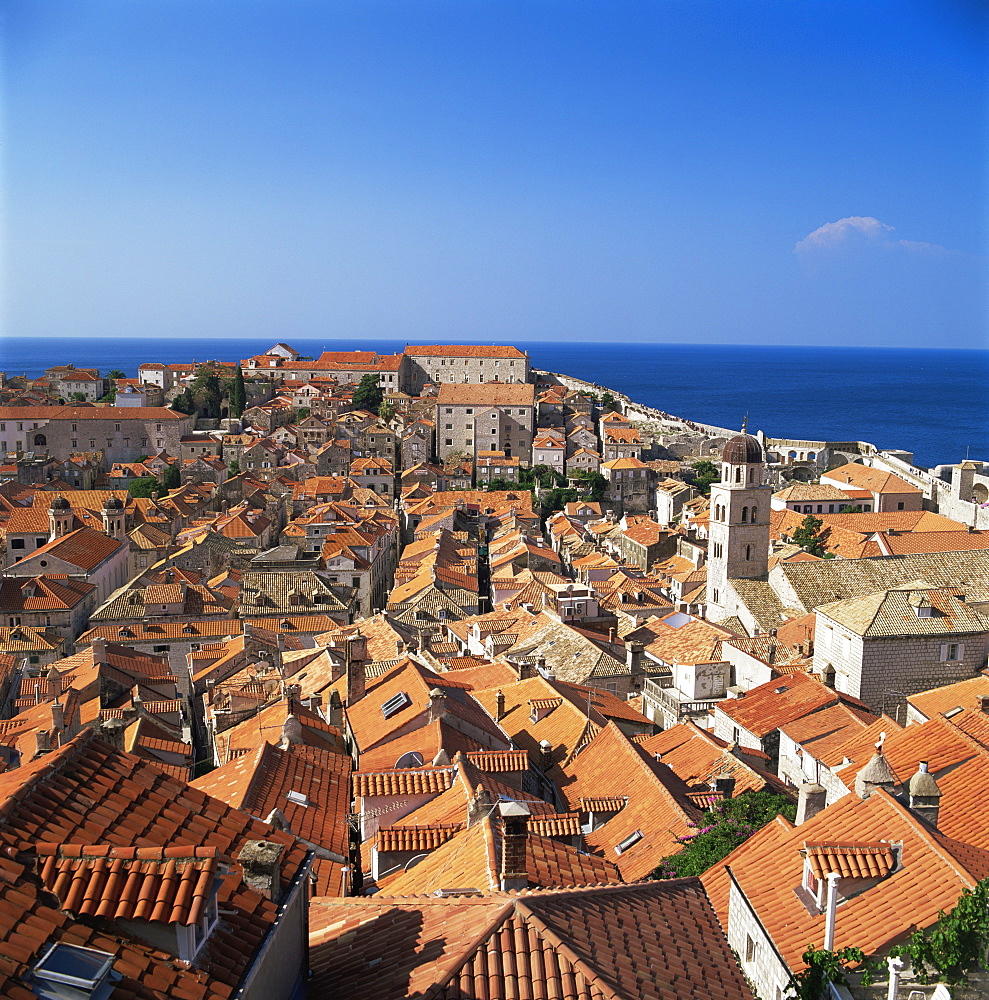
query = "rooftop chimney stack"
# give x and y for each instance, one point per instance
(811, 799)
(925, 796)
(876, 774)
(724, 784)
(437, 704)
(515, 834)
(58, 716)
(499, 706)
(633, 656)
(479, 806)
(545, 755)
(355, 655)
(54, 683)
(291, 731)
(99, 650)
(260, 862)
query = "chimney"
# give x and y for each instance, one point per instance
(335, 714)
(479, 806)
(58, 716)
(42, 742)
(925, 796)
(545, 755)
(113, 732)
(724, 784)
(499, 706)
(291, 732)
(437, 704)
(984, 704)
(260, 862)
(612, 634)
(876, 774)
(515, 833)
(356, 673)
(399, 648)
(633, 656)
(54, 683)
(811, 799)
(829, 910)
(98, 647)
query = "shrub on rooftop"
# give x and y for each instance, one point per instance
(721, 829)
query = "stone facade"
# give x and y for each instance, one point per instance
(122, 434)
(448, 363)
(499, 417)
(884, 670)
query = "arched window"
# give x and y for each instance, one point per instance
(40, 439)
(751, 475)
(748, 552)
(755, 511)
(738, 475)
(745, 514)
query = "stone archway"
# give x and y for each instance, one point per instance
(980, 493)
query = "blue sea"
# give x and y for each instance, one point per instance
(934, 403)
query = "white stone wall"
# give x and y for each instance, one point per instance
(884, 671)
(726, 728)
(754, 948)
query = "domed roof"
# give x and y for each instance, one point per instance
(113, 503)
(60, 503)
(743, 449)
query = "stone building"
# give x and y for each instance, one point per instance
(885, 646)
(738, 543)
(122, 434)
(500, 416)
(471, 363)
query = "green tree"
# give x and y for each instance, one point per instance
(705, 473)
(116, 373)
(608, 402)
(386, 411)
(808, 535)
(237, 395)
(79, 397)
(207, 392)
(303, 412)
(170, 478)
(184, 402)
(723, 827)
(368, 395)
(595, 485)
(146, 486)
(233, 469)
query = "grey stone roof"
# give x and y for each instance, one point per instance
(807, 585)
(264, 592)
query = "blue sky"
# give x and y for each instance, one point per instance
(737, 171)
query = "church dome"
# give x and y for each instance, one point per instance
(743, 449)
(60, 503)
(113, 503)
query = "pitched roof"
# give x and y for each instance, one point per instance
(473, 857)
(951, 698)
(462, 351)
(657, 803)
(85, 794)
(487, 394)
(641, 942)
(874, 480)
(779, 702)
(898, 612)
(768, 867)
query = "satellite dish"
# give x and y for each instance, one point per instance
(411, 759)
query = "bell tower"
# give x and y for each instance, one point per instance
(738, 538)
(114, 518)
(60, 518)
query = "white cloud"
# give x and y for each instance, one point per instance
(859, 230)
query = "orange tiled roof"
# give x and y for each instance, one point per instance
(874, 860)
(768, 867)
(166, 884)
(596, 943)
